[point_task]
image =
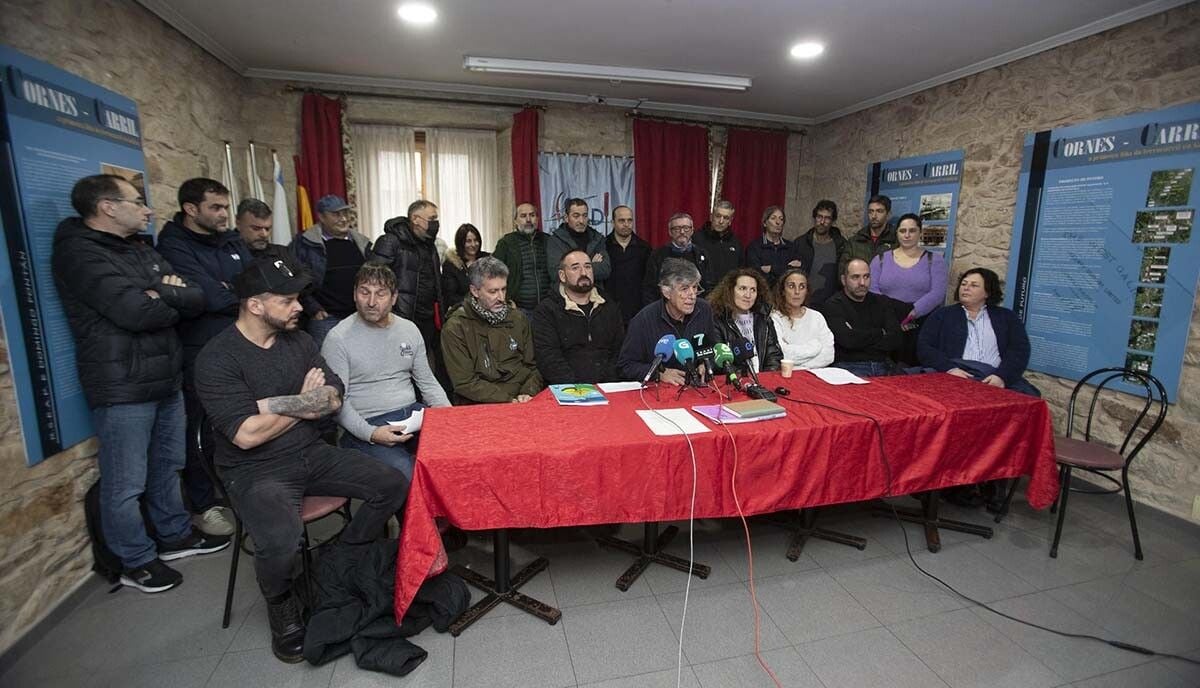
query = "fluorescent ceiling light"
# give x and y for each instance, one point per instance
(417, 13)
(606, 73)
(807, 49)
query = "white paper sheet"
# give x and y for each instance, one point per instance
(610, 387)
(413, 423)
(838, 376)
(678, 417)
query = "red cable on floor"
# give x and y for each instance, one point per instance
(749, 549)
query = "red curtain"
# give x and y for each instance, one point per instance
(670, 163)
(321, 168)
(526, 186)
(755, 177)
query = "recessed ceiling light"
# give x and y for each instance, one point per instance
(417, 13)
(807, 50)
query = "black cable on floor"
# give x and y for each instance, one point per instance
(888, 493)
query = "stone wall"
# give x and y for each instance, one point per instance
(1147, 65)
(189, 103)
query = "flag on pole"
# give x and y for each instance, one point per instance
(228, 178)
(254, 181)
(281, 228)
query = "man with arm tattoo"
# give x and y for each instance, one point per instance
(264, 386)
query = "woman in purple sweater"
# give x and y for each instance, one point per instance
(913, 278)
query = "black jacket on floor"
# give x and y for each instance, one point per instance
(354, 612)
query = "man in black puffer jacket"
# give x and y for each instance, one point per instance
(209, 256)
(407, 247)
(123, 301)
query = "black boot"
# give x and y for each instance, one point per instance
(287, 629)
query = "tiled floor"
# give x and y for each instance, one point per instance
(835, 618)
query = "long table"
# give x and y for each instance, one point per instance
(542, 465)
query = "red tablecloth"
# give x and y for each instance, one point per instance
(542, 465)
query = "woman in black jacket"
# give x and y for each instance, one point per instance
(742, 311)
(455, 284)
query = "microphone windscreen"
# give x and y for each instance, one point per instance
(665, 346)
(683, 351)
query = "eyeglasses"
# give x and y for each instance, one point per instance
(680, 228)
(139, 201)
(690, 289)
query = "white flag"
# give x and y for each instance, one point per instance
(281, 226)
(252, 178)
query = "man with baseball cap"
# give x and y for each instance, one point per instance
(333, 252)
(264, 387)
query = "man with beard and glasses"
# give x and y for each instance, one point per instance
(523, 251)
(265, 386)
(206, 253)
(486, 342)
(577, 333)
(629, 253)
(381, 359)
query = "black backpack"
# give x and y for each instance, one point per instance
(106, 564)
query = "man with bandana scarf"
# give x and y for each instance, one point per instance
(681, 229)
(523, 251)
(487, 344)
(407, 247)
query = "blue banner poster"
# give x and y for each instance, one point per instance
(603, 181)
(56, 128)
(1103, 266)
(927, 185)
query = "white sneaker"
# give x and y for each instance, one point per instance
(214, 522)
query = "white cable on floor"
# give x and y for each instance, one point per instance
(691, 537)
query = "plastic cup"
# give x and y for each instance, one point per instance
(785, 368)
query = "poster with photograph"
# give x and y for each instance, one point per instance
(58, 128)
(927, 185)
(1104, 266)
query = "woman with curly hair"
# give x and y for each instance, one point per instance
(742, 311)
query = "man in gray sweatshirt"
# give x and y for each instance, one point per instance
(381, 358)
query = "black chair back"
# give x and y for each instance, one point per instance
(1148, 420)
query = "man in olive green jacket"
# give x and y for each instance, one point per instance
(487, 344)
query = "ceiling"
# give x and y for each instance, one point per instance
(877, 50)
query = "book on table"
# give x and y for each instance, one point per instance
(741, 411)
(756, 408)
(578, 394)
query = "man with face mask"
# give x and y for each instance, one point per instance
(206, 253)
(523, 251)
(486, 343)
(407, 246)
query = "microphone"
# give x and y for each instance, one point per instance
(723, 362)
(684, 353)
(663, 349)
(756, 390)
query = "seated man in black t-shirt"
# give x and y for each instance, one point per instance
(264, 385)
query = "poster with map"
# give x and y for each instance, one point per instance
(1104, 263)
(57, 129)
